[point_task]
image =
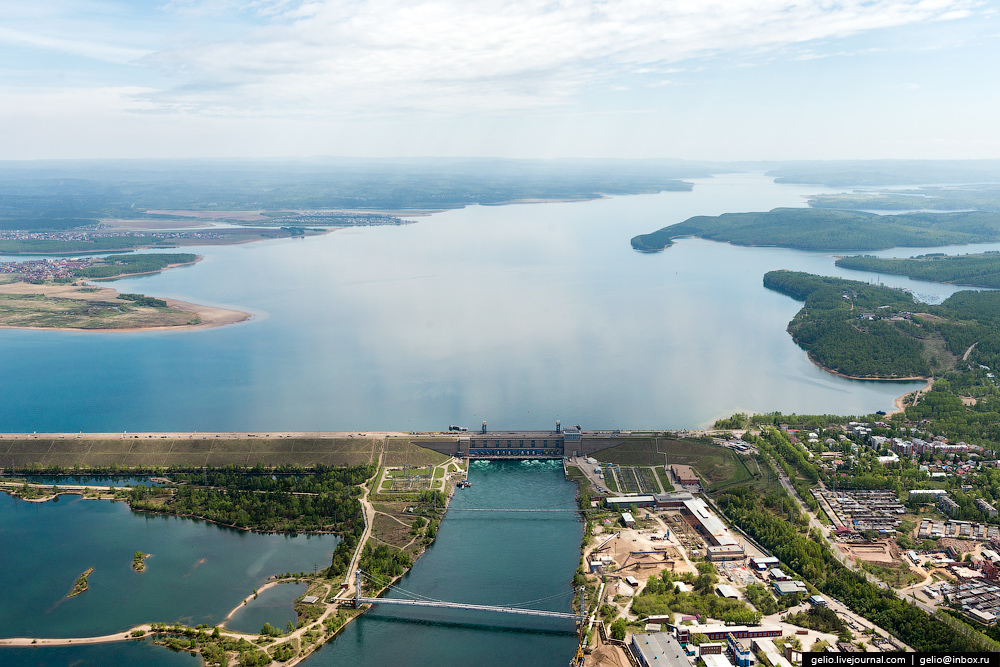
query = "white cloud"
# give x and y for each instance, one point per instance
(342, 57)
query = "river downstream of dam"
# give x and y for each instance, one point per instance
(494, 558)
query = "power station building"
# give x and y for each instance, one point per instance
(521, 444)
(486, 444)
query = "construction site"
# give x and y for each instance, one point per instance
(885, 552)
(628, 557)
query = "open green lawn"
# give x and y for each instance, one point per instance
(403, 451)
(714, 463)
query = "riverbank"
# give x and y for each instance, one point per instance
(874, 378)
(901, 401)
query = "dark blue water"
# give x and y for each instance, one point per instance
(482, 558)
(197, 574)
(98, 655)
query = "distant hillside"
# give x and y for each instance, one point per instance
(58, 195)
(822, 229)
(979, 270)
(964, 198)
(847, 173)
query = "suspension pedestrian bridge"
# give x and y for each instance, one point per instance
(417, 600)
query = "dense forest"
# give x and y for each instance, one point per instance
(854, 328)
(958, 341)
(324, 500)
(824, 229)
(980, 270)
(117, 265)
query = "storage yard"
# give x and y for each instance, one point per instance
(862, 510)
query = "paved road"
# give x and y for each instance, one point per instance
(814, 522)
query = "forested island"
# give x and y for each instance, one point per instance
(822, 229)
(323, 501)
(979, 270)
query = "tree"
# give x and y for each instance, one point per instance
(619, 629)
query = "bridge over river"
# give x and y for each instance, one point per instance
(416, 600)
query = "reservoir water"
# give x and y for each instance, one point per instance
(515, 314)
(197, 573)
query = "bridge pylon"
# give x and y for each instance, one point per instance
(358, 584)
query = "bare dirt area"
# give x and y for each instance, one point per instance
(875, 552)
(961, 546)
(607, 655)
(640, 552)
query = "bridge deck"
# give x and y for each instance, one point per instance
(472, 607)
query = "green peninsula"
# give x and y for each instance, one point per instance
(875, 332)
(979, 270)
(824, 229)
(856, 329)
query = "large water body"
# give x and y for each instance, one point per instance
(478, 557)
(518, 315)
(198, 572)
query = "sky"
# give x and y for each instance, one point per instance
(692, 79)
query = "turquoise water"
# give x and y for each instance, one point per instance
(272, 606)
(197, 574)
(482, 558)
(519, 315)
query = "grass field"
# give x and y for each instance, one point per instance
(37, 310)
(403, 452)
(714, 463)
(166, 452)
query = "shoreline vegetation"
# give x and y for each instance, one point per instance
(139, 561)
(383, 535)
(971, 270)
(830, 229)
(82, 583)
